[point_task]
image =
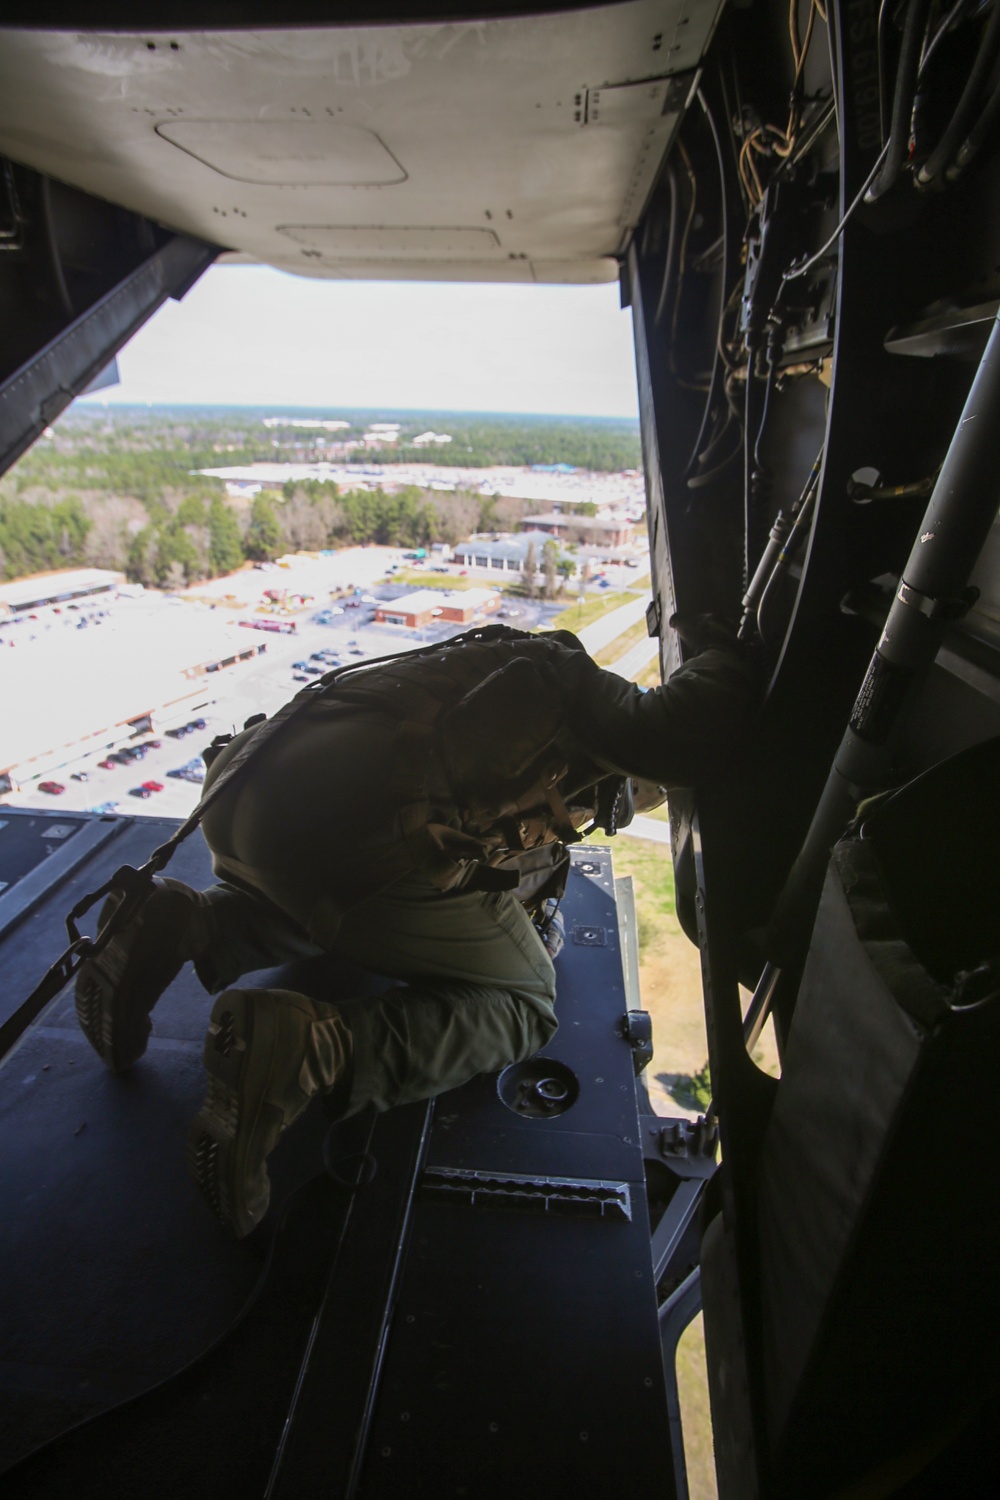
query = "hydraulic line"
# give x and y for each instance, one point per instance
(964, 115)
(932, 592)
(791, 546)
(777, 547)
(979, 132)
(902, 99)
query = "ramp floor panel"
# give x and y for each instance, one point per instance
(464, 1300)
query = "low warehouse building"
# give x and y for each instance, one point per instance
(414, 611)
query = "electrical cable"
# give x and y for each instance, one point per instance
(682, 254)
(668, 258)
(897, 146)
(788, 551)
(12, 238)
(697, 455)
(963, 116)
(794, 272)
(772, 371)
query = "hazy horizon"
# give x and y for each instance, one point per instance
(251, 336)
(98, 400)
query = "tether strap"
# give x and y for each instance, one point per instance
(136, 885)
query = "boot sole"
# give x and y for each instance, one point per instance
(221, 1136)
(115, 991)
(104, 1013)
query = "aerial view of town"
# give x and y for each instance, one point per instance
(170, 568)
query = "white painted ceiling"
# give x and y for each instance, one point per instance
(520, 149)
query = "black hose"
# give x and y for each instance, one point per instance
(902, 99)
(977, 135)
(962, 119)
(671, 251)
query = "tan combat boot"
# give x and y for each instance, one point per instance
(116, 990)
(267, 1053)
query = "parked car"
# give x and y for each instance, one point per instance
(198, 724)
(299, 666)
(139, 791)
(358, 651)
(54, 788)
(106, 807)
(301, 677)
(107, 764)
(79, 776)
(153, 786)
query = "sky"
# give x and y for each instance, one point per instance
(253, 336)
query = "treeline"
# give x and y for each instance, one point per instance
(173, 541)
(213, 436)
(120, 488)
(37, 538)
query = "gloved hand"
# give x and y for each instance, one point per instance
(703, 632)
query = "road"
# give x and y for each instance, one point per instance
(647, 828)
(632, 662)
(603, 631)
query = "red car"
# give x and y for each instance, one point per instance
(108, 764)
(54, 788)
(153, 786)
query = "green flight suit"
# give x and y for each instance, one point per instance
(324, 847)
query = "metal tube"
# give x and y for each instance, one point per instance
(959, 515)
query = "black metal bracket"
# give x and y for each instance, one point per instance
(45, 385)
(637, 1029)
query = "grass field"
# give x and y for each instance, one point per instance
(650, 674)
(610, 653)
(592, 607)
(420, 579)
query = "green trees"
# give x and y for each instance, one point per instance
(529, 571)
(550, 565)
(37, 536)
(225, 545)
(264, 539)
(164, 554)
(122, 487)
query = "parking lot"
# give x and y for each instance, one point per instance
(109, 775)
